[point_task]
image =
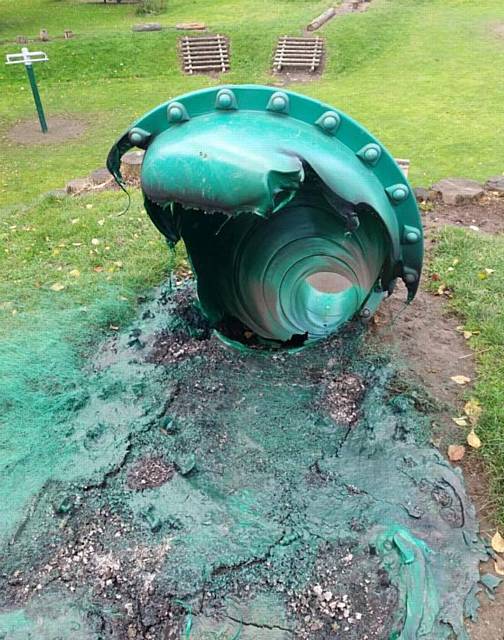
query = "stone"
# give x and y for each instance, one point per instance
(76, 186)
(458, 191)
(100, 176)
(495, 184)
(148, 26)
(131, 164)
(422, 194)
(191, 26)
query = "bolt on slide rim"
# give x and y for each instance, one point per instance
(251, 154)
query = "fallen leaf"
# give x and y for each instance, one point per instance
(473, 440)
(118, 264)
(473, 409)
(498, 542)
(75, 273)
(441, 290)
(89, 206)
(468, 335)
(456, 452)
(95, 242)
(482, 275)
(460, 379)
(489, 271)
(114, 327)
(435, 277)
(101, 222)
(473, 227)
(77, 244)
(455, 262)
(499, 566)
(74, 220)
(98, 269)
(57, 286)
(461, 422)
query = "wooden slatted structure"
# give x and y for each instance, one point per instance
(298, 53)
(201, 54)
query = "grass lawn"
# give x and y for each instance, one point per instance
(421, 75)
(461, 258)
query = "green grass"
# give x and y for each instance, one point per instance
(70, 252)
(460, 258)
(421, 75)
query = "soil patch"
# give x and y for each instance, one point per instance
(487, 215)
(60, 129)
(148, 473)
(340, 598)
(432, 350)
(499, 29)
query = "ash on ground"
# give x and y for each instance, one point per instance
(341, 602)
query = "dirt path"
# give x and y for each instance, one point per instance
(426, 339)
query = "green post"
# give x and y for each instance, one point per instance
(36, 96)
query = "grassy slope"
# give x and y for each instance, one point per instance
(420, 74)
(480, 303)
(82, 248)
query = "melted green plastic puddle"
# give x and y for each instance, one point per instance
(264, 483)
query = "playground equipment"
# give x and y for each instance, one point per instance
(295, 218)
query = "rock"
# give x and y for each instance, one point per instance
(131, 164)
(77, 185)
(191, 26)
(100, 176)
(495, 184)
(458, 191)
(148, 26)
(422, 194)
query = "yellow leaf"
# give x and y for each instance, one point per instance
(468, 334)
(461, 422)
(499, 566)
(75, 273)
(482, 275)
(101, 222)
(498, 542)
(57, 286)
(441, 289)
(455, 262)
(460, 379)
(56, 252)
(456, 452)
(95, 242)
(473, 409)
(473, 440)
(89, 206)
